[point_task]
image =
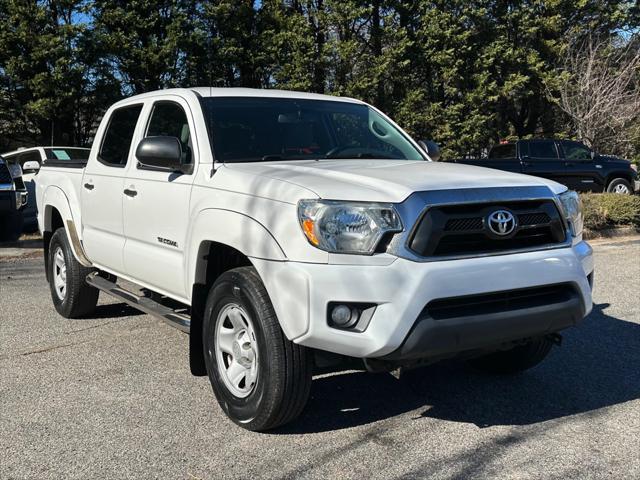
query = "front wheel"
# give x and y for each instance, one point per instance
(260, 378)
(518, 359)
(621, 186)
(72, 296)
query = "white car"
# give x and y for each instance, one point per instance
(284, 228)
(30, 160)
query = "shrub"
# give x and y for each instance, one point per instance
(602, 210)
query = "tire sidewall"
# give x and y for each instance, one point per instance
(233, 289)
(618, 181)
(59, 240)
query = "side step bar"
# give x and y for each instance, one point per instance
(145, 304)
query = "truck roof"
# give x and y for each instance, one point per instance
(243, 92)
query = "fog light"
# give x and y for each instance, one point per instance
(352, 316)
(341, 315)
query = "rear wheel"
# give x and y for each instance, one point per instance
(260, 378)
(71, 295)
(518, 359)
(620, 185)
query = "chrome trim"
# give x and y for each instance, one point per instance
(76, 244)
(417, 205)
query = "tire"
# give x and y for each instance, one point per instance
(518, 359)
(277, 381)
(620, 185)
(11, 226)
(72, 296)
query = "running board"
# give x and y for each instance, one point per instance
(144, 304)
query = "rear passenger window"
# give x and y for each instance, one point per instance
(117, 139)
(542, 150)
(169, 119)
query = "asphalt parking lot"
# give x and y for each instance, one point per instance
(112, 397)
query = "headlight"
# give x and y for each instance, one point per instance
(572, 210)
(347, 227)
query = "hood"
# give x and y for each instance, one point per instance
(612, 159)
(383, 180)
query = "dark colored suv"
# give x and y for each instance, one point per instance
(565, 161)
(13, 198)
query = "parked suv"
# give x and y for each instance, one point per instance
(568, 162)
(285, 229)
(30, 160)
(13, 198)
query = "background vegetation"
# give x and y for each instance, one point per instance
(606, 210)
(465, 73)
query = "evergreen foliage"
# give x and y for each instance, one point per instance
(465, 73)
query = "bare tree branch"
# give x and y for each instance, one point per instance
(599, 90)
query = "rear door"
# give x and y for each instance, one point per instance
(583, 174)
(102, 190)
(541, 158)
(156, 211)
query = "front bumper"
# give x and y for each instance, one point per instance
(401, 289)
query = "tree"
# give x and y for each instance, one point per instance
(599, 90)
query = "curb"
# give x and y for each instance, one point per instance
(610, 233)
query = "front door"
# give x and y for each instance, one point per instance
(582, 171)
(541, 158)
(156, 211)
(102, 187)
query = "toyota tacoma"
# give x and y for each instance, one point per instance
(285, 230)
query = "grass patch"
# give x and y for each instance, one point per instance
(605, 210)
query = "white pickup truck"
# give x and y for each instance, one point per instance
(285, 230)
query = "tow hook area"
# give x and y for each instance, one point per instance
(555, 338)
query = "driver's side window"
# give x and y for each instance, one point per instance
(168, 119)
(575, 151)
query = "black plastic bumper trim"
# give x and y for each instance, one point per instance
(430, 338)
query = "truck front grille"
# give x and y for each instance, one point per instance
(460, 230)
(5, 176)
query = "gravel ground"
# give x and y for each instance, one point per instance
(112, 397)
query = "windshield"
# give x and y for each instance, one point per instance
(250, 129)
(67, 153)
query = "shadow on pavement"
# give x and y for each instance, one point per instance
(596, 367)
(113, 310)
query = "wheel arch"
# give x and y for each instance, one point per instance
(213, 251)
(57, 214)
(628, 176)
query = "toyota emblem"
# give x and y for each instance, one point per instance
(501, 222)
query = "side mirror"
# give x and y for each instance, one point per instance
(161, 153)
(593, 155)
(31, 166)
(432, 149)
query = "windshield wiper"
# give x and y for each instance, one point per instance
(360, 155)
(271, 158)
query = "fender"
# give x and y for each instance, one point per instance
(54, 197)
(247, 235)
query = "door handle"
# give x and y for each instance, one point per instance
(130, 193)
(569, 164)
(527, 164)
(89, 186)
